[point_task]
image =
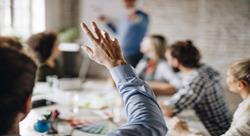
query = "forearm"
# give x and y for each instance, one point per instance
(143, 112)
(161, 88)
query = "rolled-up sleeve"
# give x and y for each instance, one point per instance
(187, 97)
(144, 115)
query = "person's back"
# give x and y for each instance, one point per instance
(211, 107)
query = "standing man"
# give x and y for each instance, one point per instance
(130, 31)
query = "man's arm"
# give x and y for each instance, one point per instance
(162, 88)
(185, 98)
(144, 114)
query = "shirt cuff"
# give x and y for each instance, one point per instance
(122, 72)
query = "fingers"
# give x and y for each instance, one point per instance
(103, 41)
(97, 31)
(116, 42)
(88, 51)
(107, 37)
(107, 41)
(88, 32)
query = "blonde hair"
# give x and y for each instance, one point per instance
(159, 43)
(241, 70)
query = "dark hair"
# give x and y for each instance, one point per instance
(186, 53)
(10, 42)
(42, 44)
(159, 42)
(17, 76)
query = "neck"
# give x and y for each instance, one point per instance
(131, 12)
(15, 128)
(155, 58)
(185, 69)
(245, 94)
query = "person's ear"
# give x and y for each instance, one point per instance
(27, 106)
(241, 85)
(176, 62)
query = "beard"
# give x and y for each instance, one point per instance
(175, 69)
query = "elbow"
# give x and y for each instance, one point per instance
(158, 128)
(162, 131)
(165, 130)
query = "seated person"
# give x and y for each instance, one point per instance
(201, 89)
(17, 76)
(153, 67)
(11, 42)
(238, 81)
(144, 115)
(45, 47)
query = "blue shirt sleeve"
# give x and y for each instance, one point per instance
(144, 115)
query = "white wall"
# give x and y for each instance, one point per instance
(61, 14)
(220, 28)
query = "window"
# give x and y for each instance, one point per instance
(22, 17)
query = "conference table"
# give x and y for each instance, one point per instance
(93, 109)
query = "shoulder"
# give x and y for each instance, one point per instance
(243, 118)
(143, 14)
(164, 66)
(208, 71)
(142, 63)
(206, 74)
(163, 63)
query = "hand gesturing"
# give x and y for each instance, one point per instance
(106, 51)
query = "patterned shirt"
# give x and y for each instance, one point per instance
(203, 92)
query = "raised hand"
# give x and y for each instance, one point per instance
(106, 51)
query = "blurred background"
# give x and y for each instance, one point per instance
(219, 28)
